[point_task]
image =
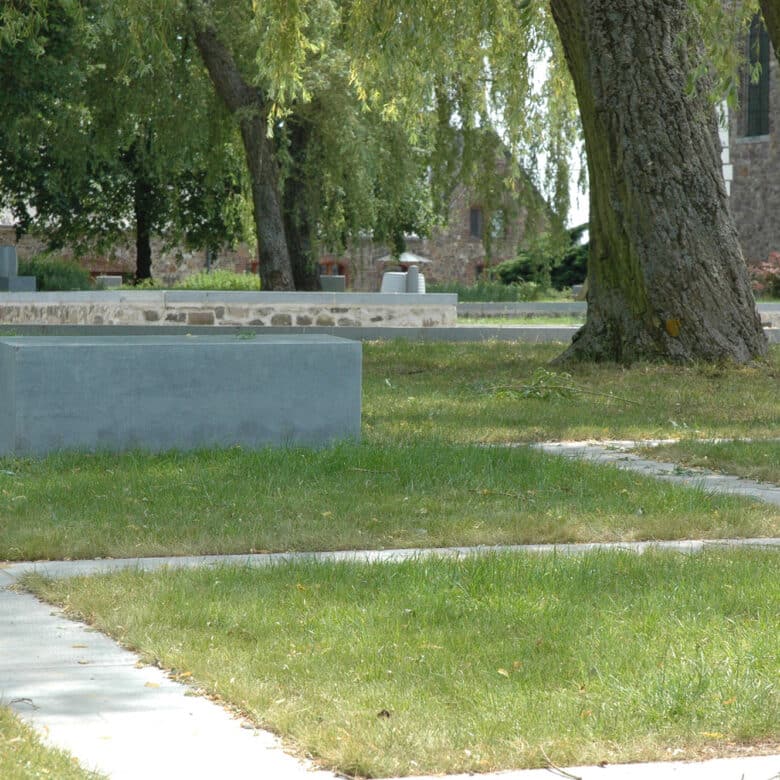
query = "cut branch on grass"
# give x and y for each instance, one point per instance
(552, 384)
(562, 391)
(556, 769)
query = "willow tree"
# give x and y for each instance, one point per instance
(667, 279)
(771, 12)
(666, 274)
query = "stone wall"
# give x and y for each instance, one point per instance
(261, 309)
(755, 187)
(169, 264)
(455, 254)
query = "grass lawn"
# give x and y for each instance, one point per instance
(444, 666)
(351, 496)
(528, 319)
(24, 757)
(755, 459)
(477, 665)
(459, 393)
(421, 476)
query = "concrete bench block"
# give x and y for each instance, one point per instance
(17, 284)
(333, 283)
(9, 265)
(107, 281)
(116, 393)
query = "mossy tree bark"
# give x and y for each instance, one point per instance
(666, 276)
(247, 104)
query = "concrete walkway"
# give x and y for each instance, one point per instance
(88, 695)
(618, 453)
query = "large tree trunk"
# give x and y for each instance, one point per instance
(143, 203)
(666, 276)
(296, 212)
(247, 104)
(771, 12)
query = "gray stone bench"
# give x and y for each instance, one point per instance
(156, 393)
(9, 269)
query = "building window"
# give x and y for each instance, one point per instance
(476, 222)
(498, 225)
(757, 88)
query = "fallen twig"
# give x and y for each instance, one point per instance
(554, 768)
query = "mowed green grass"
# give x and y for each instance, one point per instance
(422, 475)
(443, 666)
(24, 757)
(756, 459)
(448, 392)
(424, 494)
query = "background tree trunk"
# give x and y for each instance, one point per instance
(247, 104)
(771, 12)
(666, 276)
(297, 223)
(143, 202)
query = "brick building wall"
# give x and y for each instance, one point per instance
(755, 184)
(456, 252)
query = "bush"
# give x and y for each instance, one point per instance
(549, 262)
(527, 267)
(765, 277)
(219, 280)
(491, 291)
(572, 268)
(52, 274)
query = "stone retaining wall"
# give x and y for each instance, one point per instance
(184, 307)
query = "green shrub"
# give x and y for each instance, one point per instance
(572, 268)
(219, 280)
(53, 274)
(527, 267)
(487, 291)
(548, 263)
(765, 277)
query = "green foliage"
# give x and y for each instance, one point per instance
(532, 267)
(765, 276)
(488, 291)
(53, 274)
(572, 267)
(545, 263)
(219, 280)
(89, 141)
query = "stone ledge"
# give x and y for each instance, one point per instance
(228, 308)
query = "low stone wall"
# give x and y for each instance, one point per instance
(258, 309)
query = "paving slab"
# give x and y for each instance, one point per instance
(618, 453)
(86, 694)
